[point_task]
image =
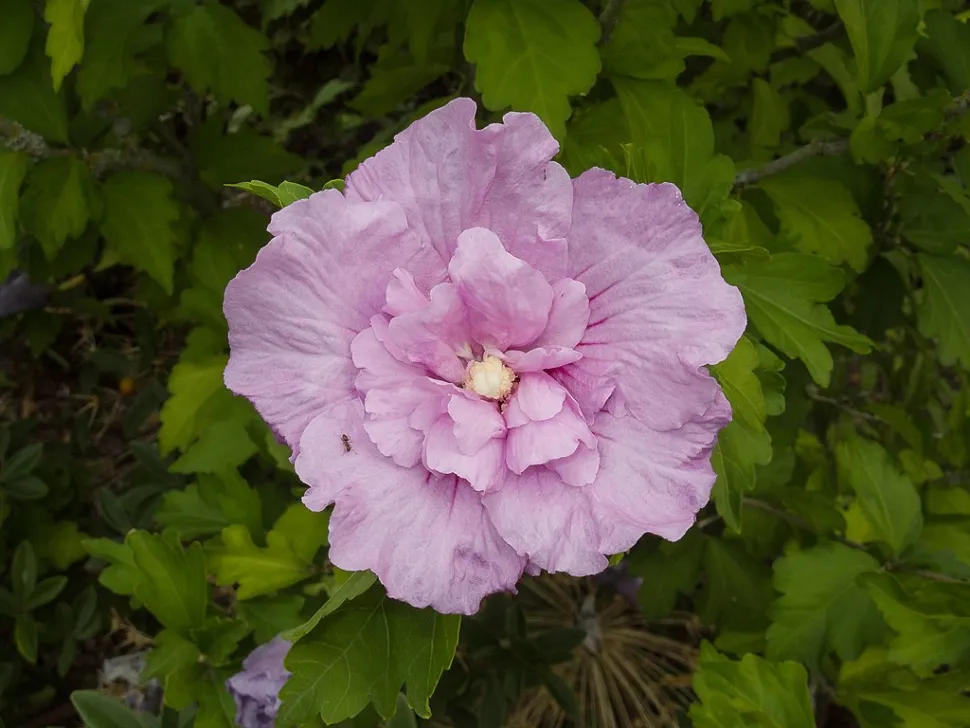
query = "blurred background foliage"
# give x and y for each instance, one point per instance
(150, 530)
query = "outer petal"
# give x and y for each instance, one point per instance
(547, 521)
(426, 537)
(449, 177)
(508, 300)
(659, 309)
(293, 313)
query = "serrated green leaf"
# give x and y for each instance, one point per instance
(27, 97)
(737, 378)
(944, 312)
(770, 116)
(217, 51)
(122, 574)
(643, 44)
(932, 623)
(171, 652)
(888, 498)
(206, 507)
(532, 55)
(65, 39)
(822, 607)
(738, 589)
(821, 217)
(221, 446)
(363, 652)
(784, 296)
(270, 616)
(672, 569)
(390, 86)
(15, 33)
(882, 33)
(112, 30)
(739, 449)
(949, 44)
(13, 168)
(59, 198)
(356, 584)
(305, 530)
(224, 158)
(138, 225)
(750, 692)
(173, 586)
(218, 638)
(192, 384)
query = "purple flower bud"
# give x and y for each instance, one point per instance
(256, 689)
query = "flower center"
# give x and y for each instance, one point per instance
(490, 378)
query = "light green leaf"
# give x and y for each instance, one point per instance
(221, 446)
(192, 385)
(822, 607)
(882, 33)
(112, 31)
(393, 84)
(532, 55)
(60, 542)
(673, 141)
(888, 498)
(65, 40)
(13, 167)
(737, 591)
(138, 223)
(783, 296)
(949, 44)
(173, 587)
(738, 451)
(741, 385)
(821, 217)
(206, 507)
(356, 584)
(217, 51)
(750, 692)
(27, 97)
(932, 623)
(122, 574)
(58, 200)
(643, 44)
(285, 194)
(944, 312)
(305, 530)
(170, 653)
(363, 652)
(270, 616)
(97, 710)
(770, 116)
(218, 638)
(15, 33)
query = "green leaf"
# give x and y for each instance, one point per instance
(65, 40)
(206, 507)
(821, 217)
(28, 487)
(673, 141)
(174, 586)
(222, 446)
(532, 55)
(949, 44)
(882, 33)
(944, 312)
(113, 29)
(356, 584)
(138, 224)
(171, 652)
(285, 194)
(739, 449)
(390, 86)
(23, 571)
(738, 589)
(13, 167)
(270, 616)
(58, 200)
(21, 463)
(219, 637)
(224, 158)
(97, 710)
(671, 569)
(783, 296)
(888, 498)
(15, 33)
(25, 637)
(27, 97)
(931, 622)
(363, 652)
(750, 692)
(822, 607)
(59, 542)
(770, 116)
(46, 591)
(217, 51)
(122, 574)
(192, 384)
(741, 385)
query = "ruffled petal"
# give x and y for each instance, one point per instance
(568, 317)
(434, 334)
(403, 295)
(659, 309)
(578, 469)
(508, 301)
(484, 469)
(427, 537)
(539, 359)
(449, 177)
(475, 422)
(293, 313)
(537, 443)
(547, 521)
(538, 397)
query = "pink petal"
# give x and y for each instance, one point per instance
(539, 359)
(428, 538)
(484, 469)
(547, 521)
(293, 313)
(508, 301)
(659, 309)
(568, 317)
(475, 422)
(536, 443)
(449, 177)
(538, 397)
(578, 469)
(434, 334)
(403, 295)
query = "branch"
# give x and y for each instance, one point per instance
(815, 149)
(609, 18)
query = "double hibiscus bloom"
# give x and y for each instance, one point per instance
(487, 366)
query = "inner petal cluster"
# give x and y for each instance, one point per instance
(462, 378)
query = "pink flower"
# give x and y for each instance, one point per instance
(486, 365)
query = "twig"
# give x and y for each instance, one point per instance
(813, 394)
(609, 18)
(815, 149)
(800, 522)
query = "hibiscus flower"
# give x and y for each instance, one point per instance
(488, 367)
